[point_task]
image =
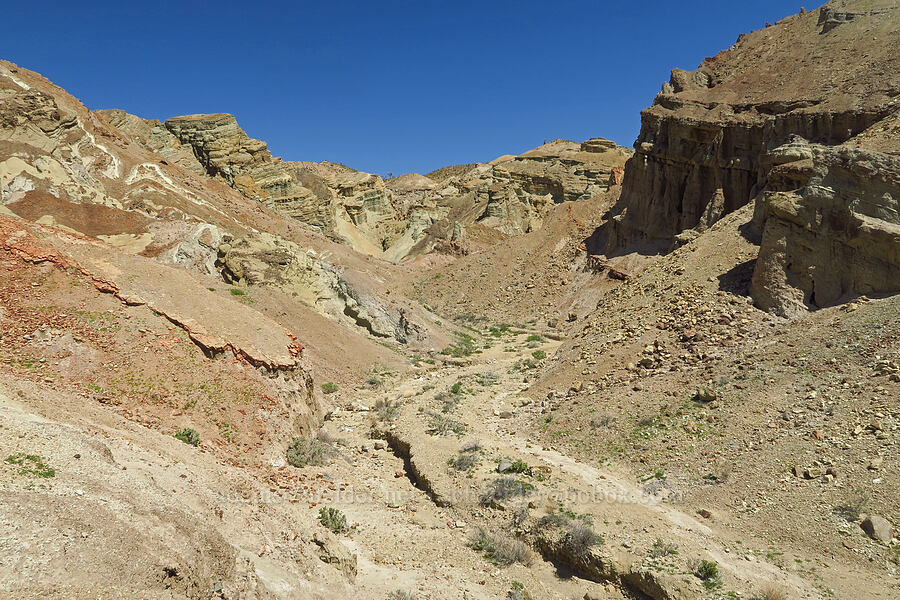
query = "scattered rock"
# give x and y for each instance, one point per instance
(878, 528)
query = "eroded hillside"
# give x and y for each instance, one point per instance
(580, 371)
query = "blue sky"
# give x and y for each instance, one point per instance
(387, 86)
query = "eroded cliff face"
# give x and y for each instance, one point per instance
(509, 196)
(698, 156)
(771, 120)
(345, 205)
(833, 237)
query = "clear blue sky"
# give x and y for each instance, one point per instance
(383, 86)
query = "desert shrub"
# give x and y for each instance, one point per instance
(442, 424)
(853, 504)
(465, 346)
(456, 388)
(303, 452)
(329, 387)
(500, 549)
(31, 464)
(769, 591)
(448, 403)
(517, 466)
(503, 488)
(517, 591)
(534, 338)
(539, 355)
(188, 436)
(661, 549)
(333, 519)
(603, 421)
(237, 292)
(401, 595)
(464, 462)
(470, 446)
(581, 538)
(708, 572)
(387, 410)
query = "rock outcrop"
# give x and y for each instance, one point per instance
(263, 259)
(699, 154)
(780, 119)
(509, 196)
(344, 204)
(830, 236)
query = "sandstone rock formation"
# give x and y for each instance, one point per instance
(699, 152)
(510, 196)
(267, 260)
(344, 204)
(771, 120)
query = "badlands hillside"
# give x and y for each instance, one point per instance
(584, 371)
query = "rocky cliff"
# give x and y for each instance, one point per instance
(698, 155)
(346, 205)
(511, 195)
(767, 121)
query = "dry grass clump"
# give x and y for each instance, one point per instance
(769, 591)
(503, 488)
(307, 451)
(500, 549)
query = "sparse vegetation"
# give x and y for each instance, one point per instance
(503, 488)
(579, 536)
(440, 424)
(464, 462)
(329, 387)
(465, 346)
(517, 466)
(853, 504)
(539, 355)
(401, 595)
(769, 591)
(470, 446)
(308, 452)
(534, 338)
(500, 549)
(188, 436)
(517, 591)
(707, 571)
(387, 410)
(661, 549)
(31, 464)
(333, 519)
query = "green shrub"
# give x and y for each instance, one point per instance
(708, 572)
(188, 436)
(329, 387)
(303, 452)
(31, 464)
(534, 338)
(333, 519)
(539, 354)
(499, 549)
(237, 292)
(661, 549)
(517, 466)
(456, 388)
